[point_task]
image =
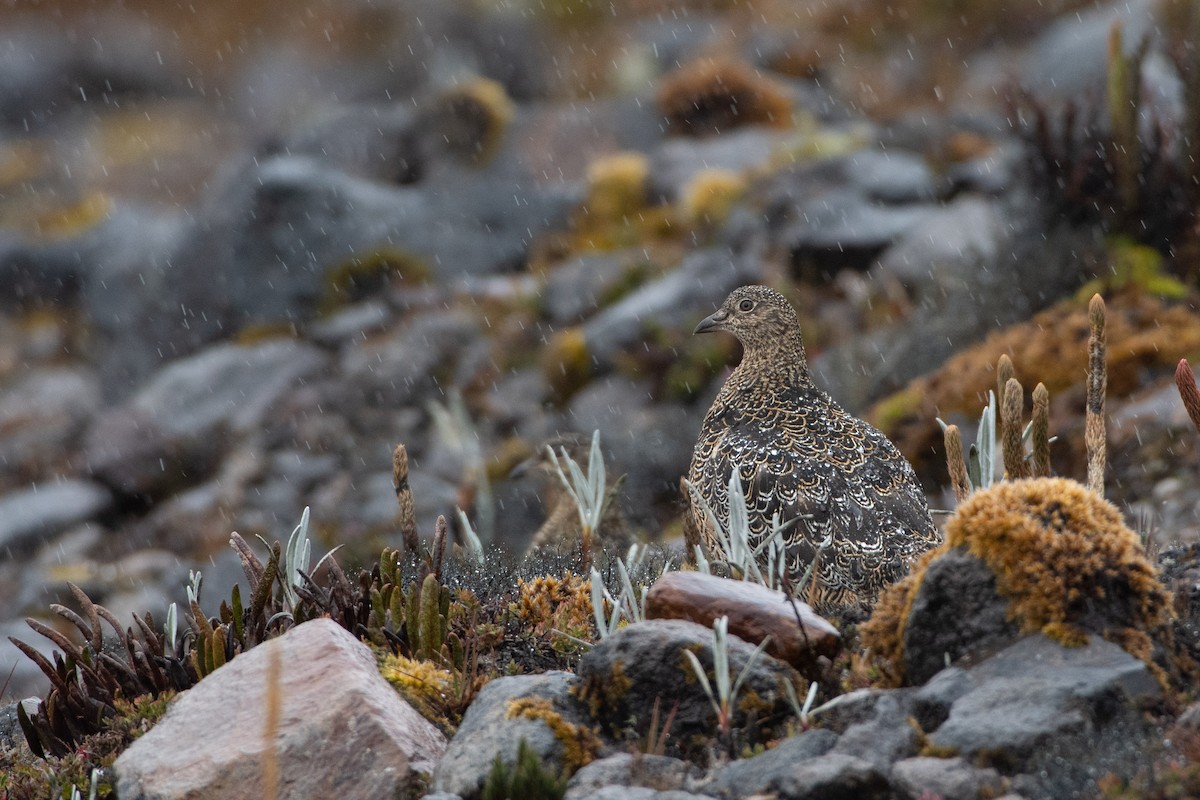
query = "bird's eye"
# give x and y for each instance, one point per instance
(746, 305)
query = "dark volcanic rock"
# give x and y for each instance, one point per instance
(656, 773)
(956, 611)
(831, 776)
(622, 677)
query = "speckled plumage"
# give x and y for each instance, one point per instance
(827, 474)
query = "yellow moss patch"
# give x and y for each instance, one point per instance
(566, 362)
(580, 743)
(708, 197)
(616, 187)
(1061, 555)
(423, 684)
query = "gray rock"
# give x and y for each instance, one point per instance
(1065, 715)
(649, 442)
(488, 731)
(32, 515)
(884, 738)
(177, 428)
(407, 366)
(750, 776)
(946, 245)
(948, 778)
(851, 708)
(679, 160)
(10, 727)
(343, 730)
(654, 773)
(892, 176)
(378, 142)
(678, 300)
(932, 702)
(831, 776)
(624, 675)
(842, 228)
(42, 415)
(583, 285)
(636, 793)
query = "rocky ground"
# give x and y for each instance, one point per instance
(245, 258)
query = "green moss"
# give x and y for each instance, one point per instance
(566, 362)
(369, 274)
(528, 779)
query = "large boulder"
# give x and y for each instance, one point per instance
(341, 730)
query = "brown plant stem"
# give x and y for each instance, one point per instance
(955, 463)
(1012, 448)
(1040, 434)
(1097, 386)
(1185, 380)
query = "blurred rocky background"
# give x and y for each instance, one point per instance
(246, 248)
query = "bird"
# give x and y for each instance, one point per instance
(562, 530)
(838, 488)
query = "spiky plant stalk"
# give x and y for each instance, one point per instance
(1013, 448)
(956, 464)
(1097, 386)
(1185, 380)
(1004, 373)
(1040, 432)
(405, 513)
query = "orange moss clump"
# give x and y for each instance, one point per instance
(709, 96)
(1143, 333)
(547, 603)
(1062, 555)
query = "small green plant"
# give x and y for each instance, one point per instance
(588, 490)
(764, 563)
(528, 779)
(727, 689)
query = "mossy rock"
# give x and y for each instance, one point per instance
(1038, 555)
(625, 675)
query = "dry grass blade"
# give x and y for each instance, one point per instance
(250, 563)
(42, 663)
(1012, 446)
(956, 464)
(1185, 380)
(1097, 386)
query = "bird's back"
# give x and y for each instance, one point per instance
(838, 484)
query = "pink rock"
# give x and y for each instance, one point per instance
(343, 732)
(754, 612)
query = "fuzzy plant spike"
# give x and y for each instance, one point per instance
(406, 517)
(1012, 444)
(956, 464)
(1097, 387)
(1185, 380)
(1040, 432)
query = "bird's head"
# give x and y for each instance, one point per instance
(757, 315)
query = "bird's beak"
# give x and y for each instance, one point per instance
(712, 322)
